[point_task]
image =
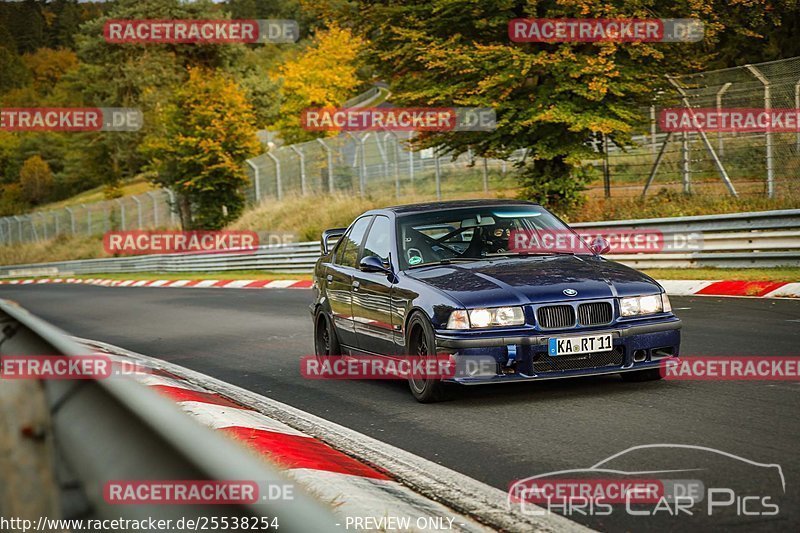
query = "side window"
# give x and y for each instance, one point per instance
(378, 239)
(347, 252)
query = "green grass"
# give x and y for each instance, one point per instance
(744, 274)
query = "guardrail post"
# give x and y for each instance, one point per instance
(302, 159)
(138, 211)
(768, 134)
(329, 154)
(278, 183)
(71, 219)
(720, 141)
(256, 180)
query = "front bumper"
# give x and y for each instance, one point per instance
(525, 358)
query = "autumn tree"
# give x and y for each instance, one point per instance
(325, 74)
(36, 180)
(551, 98)
(209, 131)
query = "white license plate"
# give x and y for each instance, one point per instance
(577, 345)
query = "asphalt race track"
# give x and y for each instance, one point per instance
(496, 434)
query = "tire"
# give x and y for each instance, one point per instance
(325, 340)
(652, 374)
(422, 342)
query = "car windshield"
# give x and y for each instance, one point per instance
(479, 233)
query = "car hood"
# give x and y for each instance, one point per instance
(524, 280)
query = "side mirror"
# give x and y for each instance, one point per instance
(600, 246)
(373, 263)
(329, 239)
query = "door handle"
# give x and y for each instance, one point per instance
(356, 285)
(329, 278)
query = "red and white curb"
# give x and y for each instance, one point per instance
(183, 283)
(352, 485)
(752, 289)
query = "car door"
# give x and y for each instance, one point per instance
(372, 294)
(339, 280)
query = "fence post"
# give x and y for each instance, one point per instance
(685, 170)
(88, 219)
(720, 167)
(172, 207)
(19, 227)
(396, 161)
(5, 230)
(121, 214)
(44, 225)
(302, 159)
(154, 199)
(653, 131)
(256, 180)
(331, 187)
(606, 169)
(438, 174)
(139, 211)
(720, 141)
(55, 223)
(410, 161)
(485, 174)
(797, 107)
(71, 219)
(768, 135)
(278, 183)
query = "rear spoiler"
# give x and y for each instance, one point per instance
(329, 238)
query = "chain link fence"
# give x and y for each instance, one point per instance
(372, 163)
(384, 164)
(756, 164)
(152, 209)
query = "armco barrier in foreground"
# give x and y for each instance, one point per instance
(758, 239)
(119, 429)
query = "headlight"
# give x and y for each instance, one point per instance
(484, 318)
(644, 305)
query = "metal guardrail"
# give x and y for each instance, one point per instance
(118, 429)
(755, 239)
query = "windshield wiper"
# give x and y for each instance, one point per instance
(450, 260)
(531, 254)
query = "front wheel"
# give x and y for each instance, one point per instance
(421, 342)
(652, 374)
(325, 341)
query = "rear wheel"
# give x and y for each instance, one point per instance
(652, 374)
(325, 341)
(421, 342)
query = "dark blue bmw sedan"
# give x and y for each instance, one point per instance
(446, 278)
